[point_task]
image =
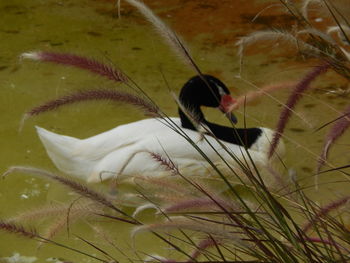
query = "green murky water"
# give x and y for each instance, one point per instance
(91, 28)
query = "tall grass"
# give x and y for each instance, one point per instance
(328, 43)
(225, 217)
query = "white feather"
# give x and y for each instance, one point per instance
(125, 151)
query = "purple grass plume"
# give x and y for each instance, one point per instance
(325, 242)
(293, 99)
(324, 211)
(95, 95)
(337, 130)
(168, 35)
(168, 164)
(72, 184)
(202, 246)
(78, 62)
(15, 229)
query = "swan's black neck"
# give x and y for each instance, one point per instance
(206, 90)
(242, 137)
(186, 123)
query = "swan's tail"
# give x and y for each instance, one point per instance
(62, 151)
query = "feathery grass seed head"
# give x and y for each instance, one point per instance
(95, 95)
(78, 62)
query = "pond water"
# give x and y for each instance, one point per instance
(92, 28)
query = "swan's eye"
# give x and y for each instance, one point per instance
(221, 91)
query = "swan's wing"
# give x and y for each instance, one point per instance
(120, 137)
(81, 158)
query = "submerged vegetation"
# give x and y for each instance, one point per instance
(251, 216)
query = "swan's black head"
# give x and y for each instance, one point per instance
(206, 91)
(203, 90)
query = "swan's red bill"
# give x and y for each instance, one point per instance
(225, 105)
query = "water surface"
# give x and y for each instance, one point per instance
(92, 28)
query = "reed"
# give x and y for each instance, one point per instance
(311, 40)
(324, 211)
(221, 218)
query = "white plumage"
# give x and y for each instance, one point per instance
(129, 149)
(125, 151)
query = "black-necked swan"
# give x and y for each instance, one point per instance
(125, 150)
